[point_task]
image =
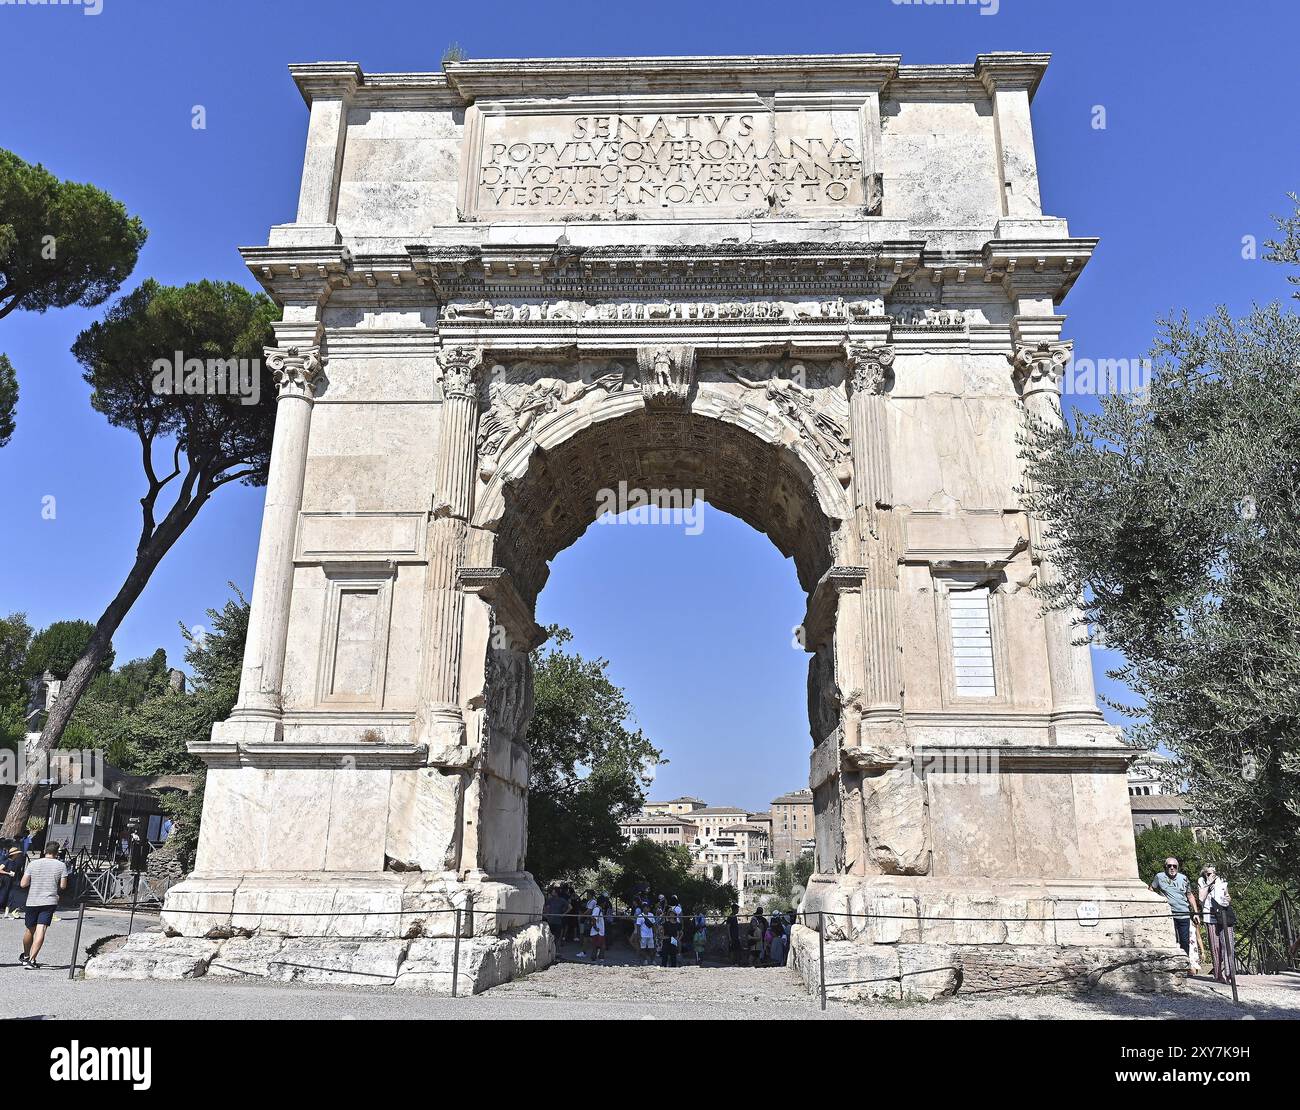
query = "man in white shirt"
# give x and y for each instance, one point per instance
(645, 924)
(44, 881)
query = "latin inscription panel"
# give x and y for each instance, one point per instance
(648, 164)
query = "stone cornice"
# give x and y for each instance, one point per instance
(466, 81)
(1011, 71)
(584, 76)
(328, 754)
(303, 273)
(1048, 267)
(704, 270)
(497, 586)
(819, 617)
(326, 79)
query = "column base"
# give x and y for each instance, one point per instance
(387, 929)
(903, 937)
(250, 728)
(437, 965)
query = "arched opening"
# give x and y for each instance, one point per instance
(615, 453)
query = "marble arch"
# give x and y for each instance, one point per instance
(842, 352)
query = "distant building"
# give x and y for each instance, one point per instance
(711, 820)
(662, 829)
(676, 806)
(1150, 799)
(751, 838)
(726, 862)
(793, 825)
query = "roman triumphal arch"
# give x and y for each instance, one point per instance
(820, 289)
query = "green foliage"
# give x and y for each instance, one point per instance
(203, 320)
(15, 643)
(13, 726)
(57, 647)
(588, 767)
(61, 242)
(8, 399)
(666, 868)
(215, 439)
(1286, 248)
(454, 53)
(789, 880)
(783, 880)
(1177, 516)
(149, 733)
(143, 725)
(185, 810)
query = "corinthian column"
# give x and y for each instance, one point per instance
(441, 721)
(297, 371)
(877, 524)
(1038, 369)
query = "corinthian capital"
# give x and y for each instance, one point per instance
(869, 367)
(295, 370)
(1037, 367)
(461, 370)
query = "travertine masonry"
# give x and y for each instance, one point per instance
(820, 289)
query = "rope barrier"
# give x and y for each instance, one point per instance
(542, 916)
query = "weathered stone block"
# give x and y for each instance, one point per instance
(154, 956)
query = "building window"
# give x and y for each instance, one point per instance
(972, 643)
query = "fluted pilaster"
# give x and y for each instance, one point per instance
(461, 369)
(870, 371)
(297, 372)
(1038, 369)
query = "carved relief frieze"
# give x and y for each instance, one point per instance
(509, 693)
(595, 313)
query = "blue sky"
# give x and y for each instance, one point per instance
(1199, 148)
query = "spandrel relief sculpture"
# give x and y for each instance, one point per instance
(518, 406)
(798, 406)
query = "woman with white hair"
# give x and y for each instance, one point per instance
(1220, 917)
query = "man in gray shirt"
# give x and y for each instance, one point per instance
(44, 880)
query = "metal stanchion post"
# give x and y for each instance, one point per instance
(1230, 955)
(76, 939)
(135, 901)
(455, 956)
(821, 953)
